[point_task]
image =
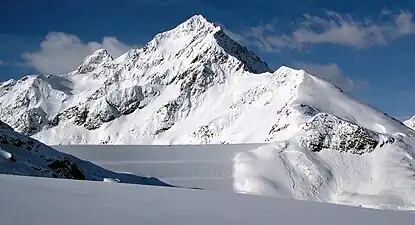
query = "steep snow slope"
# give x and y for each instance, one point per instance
(21, 155)
(156, 86)
(410, 122)
(64, 202)
(381, 179)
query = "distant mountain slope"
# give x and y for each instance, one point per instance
(21, 155)
(410, 122)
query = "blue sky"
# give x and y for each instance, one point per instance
(366, 47)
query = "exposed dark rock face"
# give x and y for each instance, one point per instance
(24, 156)
(100, 113)
(127, 100)
(249, 61)
(32, 121)
(102, 107)
(39, 159)
(205, 134)
(169, 114)
(78, 113)
(67, 169)
(325, 131)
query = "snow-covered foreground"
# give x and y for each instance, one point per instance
(38, 201)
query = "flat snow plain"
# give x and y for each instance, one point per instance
(208, 167)
(219, 168)
(36, 201)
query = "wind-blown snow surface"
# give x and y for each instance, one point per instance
(51, 201)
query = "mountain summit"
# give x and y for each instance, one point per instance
(97, 59)
(195, 85)
(191, 84)
(191, 58)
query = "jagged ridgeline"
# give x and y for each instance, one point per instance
(189, 85)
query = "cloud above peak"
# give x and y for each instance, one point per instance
(61, 53)
(335, 28)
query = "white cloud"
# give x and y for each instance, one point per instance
(60, 52)
(335, 28)
(330, 73)
(2, 63)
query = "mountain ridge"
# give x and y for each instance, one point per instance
(410, 122)
(166, 82)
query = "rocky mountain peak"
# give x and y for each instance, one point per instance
(94, 61)
(194, 43)
(196, 22)
(153, 93)
(410, 122)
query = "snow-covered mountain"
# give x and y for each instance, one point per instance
(192, 84)
(22, 155)
(410, 122)
(158, 87)
(195, 85)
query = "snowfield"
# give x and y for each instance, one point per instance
(208, 167)
(39, 201)
(383, 179)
